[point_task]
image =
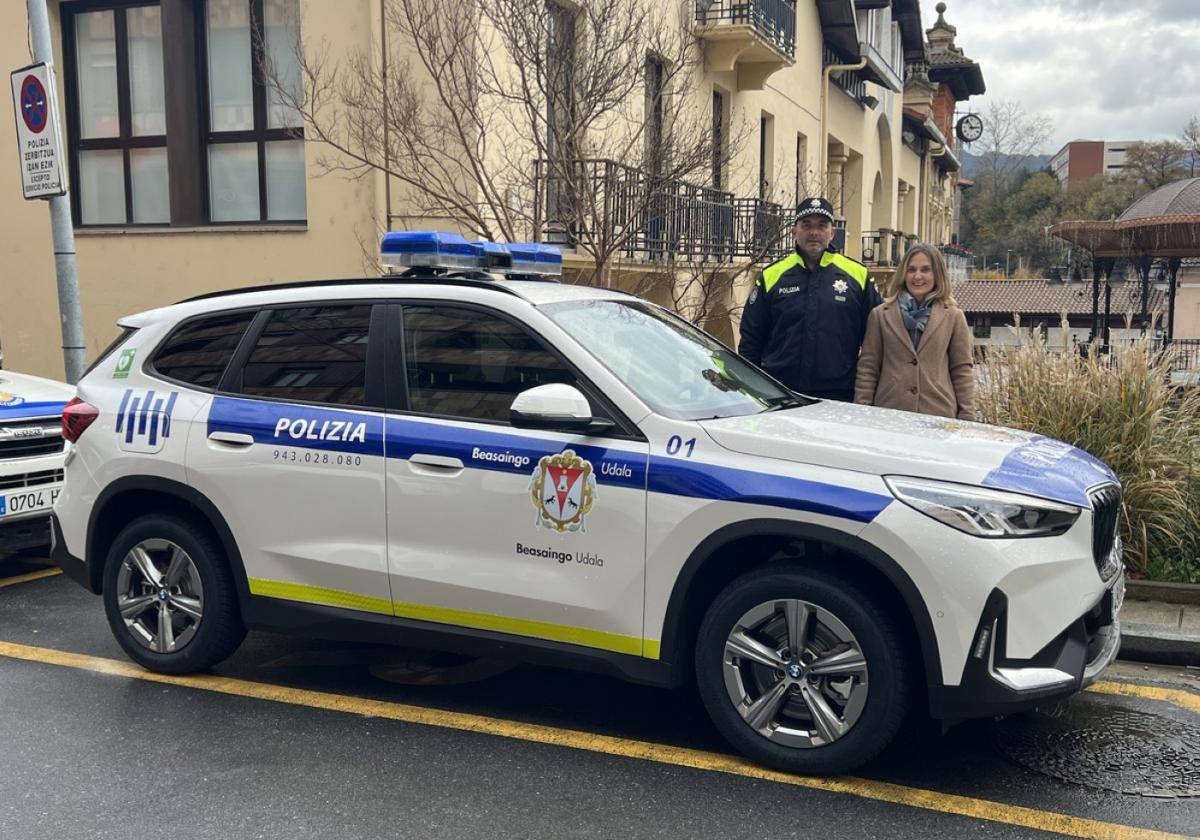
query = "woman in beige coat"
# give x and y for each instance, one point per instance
(916, 355)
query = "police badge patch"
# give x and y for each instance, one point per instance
(840, 286)
(753, 296)
(563, 490)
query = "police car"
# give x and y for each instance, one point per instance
(31, 458)
(469, 457)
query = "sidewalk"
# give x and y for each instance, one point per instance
(1161, 623)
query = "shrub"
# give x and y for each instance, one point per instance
(1121, 408)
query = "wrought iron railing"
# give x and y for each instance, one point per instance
(885, 247)
(1185, 351)
(774, 20)
(851, 81)
(655, 218)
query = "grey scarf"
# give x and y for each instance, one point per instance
(915, 315)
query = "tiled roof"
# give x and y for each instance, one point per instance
(1181, 198)
(1040, 297)
(941, 58)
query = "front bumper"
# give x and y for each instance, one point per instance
(24, 534)
(993, 685)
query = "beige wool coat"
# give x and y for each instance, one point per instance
(936, 378)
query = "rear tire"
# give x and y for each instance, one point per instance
(169, 596)
(826, 709)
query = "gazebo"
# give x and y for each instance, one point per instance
(1164, 225)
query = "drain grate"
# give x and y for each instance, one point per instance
(1108, 748)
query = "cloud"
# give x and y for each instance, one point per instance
(1099, 69)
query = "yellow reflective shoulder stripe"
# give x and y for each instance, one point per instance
(774, 271)
(856, 270)
(631, 645)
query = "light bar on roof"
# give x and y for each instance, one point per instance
(449, 251)
(535, 258)
(425, 249)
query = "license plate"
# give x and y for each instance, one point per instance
(28, 501)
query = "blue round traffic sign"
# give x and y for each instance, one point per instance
(35, 110)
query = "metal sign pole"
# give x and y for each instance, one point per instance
(61, 226)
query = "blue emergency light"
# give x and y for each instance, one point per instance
(535, 258)
(441, 251)
(423, 249)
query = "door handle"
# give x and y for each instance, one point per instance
(435, 464)
(231, 438)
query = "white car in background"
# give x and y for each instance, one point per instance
(31, 458)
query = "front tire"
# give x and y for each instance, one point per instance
(169, 596)
(801, 671)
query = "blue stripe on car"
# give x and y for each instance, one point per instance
(31, 409)
(707, 481)
(1050, 469)
(517, 454)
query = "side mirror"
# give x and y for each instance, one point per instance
(557, 407)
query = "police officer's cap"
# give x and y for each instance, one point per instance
(814, 206)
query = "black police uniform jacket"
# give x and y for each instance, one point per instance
(805, 327)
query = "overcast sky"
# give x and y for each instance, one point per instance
(1100, 69)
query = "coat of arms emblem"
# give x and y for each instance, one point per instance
(10, 400)
(563, 490)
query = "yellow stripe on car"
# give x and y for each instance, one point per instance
(303, 593)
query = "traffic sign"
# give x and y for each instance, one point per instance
(39, 138)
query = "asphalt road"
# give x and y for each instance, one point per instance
(297, 738)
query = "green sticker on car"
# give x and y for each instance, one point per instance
(124, 364)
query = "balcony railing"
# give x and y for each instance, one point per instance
(655, 219)
(885, 247)
(774, 20)
(851, 81)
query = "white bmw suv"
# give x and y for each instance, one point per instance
(481, 464)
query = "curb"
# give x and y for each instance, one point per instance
(1157, 645)
(1170, 593)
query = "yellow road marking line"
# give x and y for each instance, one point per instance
(25, 578)
(1179, 697)
(929, 800)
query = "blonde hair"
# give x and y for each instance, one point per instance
(941, 279)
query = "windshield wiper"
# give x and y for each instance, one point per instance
(788, 402)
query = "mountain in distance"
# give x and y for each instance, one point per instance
(972, 164)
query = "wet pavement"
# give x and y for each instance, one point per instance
(95, 754)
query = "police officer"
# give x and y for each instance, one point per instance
(806, 316)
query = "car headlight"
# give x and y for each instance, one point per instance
(982, 512)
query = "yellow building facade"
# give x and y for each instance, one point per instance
(187, 174)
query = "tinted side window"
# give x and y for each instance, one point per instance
(198, 352)
(465, 363)
(311, 354)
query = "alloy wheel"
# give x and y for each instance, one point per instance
(795, 673)
(159, 595)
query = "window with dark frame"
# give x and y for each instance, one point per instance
(202, 139)
(117, 114)
(254, 138)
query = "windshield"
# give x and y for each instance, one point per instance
(673, 367)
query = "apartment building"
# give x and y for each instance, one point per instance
(190, 172)
(1081, 160)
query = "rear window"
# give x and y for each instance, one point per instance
(198, 351)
